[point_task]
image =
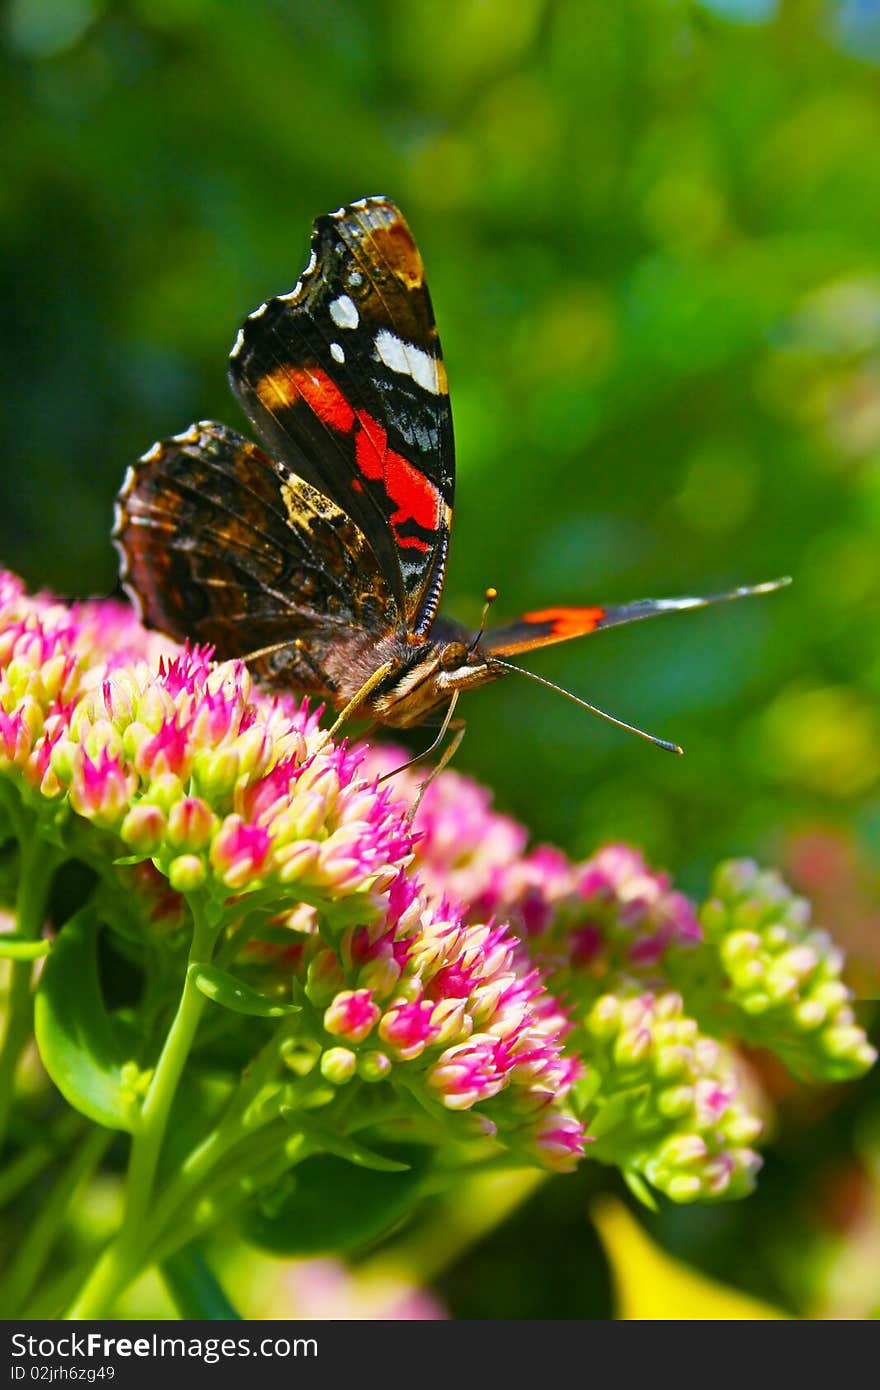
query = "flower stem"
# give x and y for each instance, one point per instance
(35, 878)
(21, 1171)
(46, 1229)
(256, 1165)
(234, 1125)
(163, 1087)
(122, 1260)
(193, 1288)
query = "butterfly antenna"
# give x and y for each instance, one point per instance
(491, 595)
(593, 709)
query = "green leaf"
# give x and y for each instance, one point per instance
(640, 1189)
(348, 1149)
(14, 947)
(194, 1290)
(234, 994)
(616, 1112)
(83, 1048)
(335, 1206)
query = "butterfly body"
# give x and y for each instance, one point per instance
(321, 558)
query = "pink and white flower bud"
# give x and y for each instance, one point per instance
(100, 789)
(239, 852)
(560, 1142)
(190, 823)
(352, 1015)
(143, 828)
(407, 1028)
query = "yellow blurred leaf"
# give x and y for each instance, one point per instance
(652, 1286)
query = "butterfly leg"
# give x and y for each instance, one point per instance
(420, 757)
(357, 700)
(459, 728)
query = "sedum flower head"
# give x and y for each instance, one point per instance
(653, 986)
(179, 769)
(50, 654)
(448, 1010)
(670, 1109)
(781, 975)
(222, 787)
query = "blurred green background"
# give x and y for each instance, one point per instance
(652, 233)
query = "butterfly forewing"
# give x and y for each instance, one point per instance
(344, 379)
(221, 544)
(547, 626)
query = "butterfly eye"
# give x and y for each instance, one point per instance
(453, 655)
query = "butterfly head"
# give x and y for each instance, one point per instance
(424, 685)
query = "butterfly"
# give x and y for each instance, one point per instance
(320, 557)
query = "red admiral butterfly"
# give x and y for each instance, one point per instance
(322, 561)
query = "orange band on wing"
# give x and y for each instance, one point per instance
(413, 496)
(567, 622)
(285, 386)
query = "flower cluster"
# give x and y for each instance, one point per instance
(671, 1108)
(455, 1009)
(50, 654)
(602, 1008)
(663, 1097)
(780, 975)
(224, 789)
(240, 799)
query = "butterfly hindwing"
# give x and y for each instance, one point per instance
(223, 545)
(343, 378)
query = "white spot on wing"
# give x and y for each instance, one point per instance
(238, 344)
(336, 352)
(343, 312)
(408, 360)
(259, 311)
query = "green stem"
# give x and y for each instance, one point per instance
(235, 1125)
(123, 1258)
(198, 1187)
(108, 1278)
(157, 1104)
(38, 862)
(54, 1294)
(256, 1166)
(193, 1288)
(45, 1230)
(21, 1171)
